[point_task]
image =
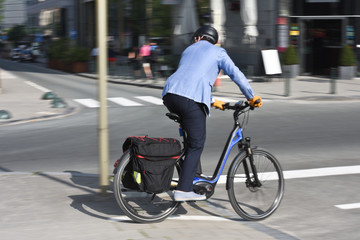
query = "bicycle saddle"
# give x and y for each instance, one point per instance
(174, 116)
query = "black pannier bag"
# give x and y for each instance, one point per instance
(153, 161)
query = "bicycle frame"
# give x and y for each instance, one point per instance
(235, 136)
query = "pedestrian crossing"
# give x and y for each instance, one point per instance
(88, 102)
(135, 101)
(124, 102)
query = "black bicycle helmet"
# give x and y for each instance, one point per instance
(208, 32)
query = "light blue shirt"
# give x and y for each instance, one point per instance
(198, 69)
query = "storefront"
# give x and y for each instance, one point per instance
(324, 26)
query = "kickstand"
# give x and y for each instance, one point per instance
(152, 198)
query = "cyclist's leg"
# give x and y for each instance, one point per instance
(194, 123)
(174, 103)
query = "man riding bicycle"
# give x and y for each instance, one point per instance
(187, 93)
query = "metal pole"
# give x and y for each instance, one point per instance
(333, 81)
(287, 83)
(101, 8)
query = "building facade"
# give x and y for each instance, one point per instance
(53, 18)
(317, 28)
(324, 26)
(13, 13)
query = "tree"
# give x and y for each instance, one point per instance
(290, 56)
(347, 56)
(1, 10)
(161, 22)
(17, 33)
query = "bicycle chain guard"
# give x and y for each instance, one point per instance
(204, 188)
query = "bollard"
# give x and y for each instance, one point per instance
(333, 81)
(4, 114)
(49, 95)
(250, 71)
(287, 83)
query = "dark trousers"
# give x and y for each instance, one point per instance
(194, 123)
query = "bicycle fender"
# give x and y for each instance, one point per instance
(117, 163)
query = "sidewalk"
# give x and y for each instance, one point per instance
(22, 101)
(55, 206)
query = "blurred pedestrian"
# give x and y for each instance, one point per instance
(156, 51)
(93, 56)
(135, 62)
(145, 53)
(112, 61)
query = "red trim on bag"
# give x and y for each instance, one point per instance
(159, 139)
(138, 137)
(116, 163)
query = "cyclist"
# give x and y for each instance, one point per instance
(187, 93)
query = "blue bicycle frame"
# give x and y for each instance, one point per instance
(234, 138)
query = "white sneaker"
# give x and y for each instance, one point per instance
(180, 196)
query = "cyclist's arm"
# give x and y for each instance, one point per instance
(229, 68)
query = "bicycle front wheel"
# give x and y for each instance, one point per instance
(252, 199)
(142, 207)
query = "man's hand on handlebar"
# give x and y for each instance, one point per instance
(218, 104)
(256, 101)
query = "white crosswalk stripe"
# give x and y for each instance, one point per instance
(88, 102)
(151, 99)
(128, 102)
(125, 102)
(224, 99)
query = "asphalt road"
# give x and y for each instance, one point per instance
(302, 135)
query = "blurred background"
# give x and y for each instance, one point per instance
(318, 30)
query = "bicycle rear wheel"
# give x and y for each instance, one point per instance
(251, 201)
(142, 207)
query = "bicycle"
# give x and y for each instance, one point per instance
(255, 182)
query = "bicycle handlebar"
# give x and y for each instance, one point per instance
(241, 105)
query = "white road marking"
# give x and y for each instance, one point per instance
(322, 172)
(41, 88)
(124, 102)
(200, 218)
(88, 102)
(348, 206)
(179, 217)
(306, 173)
(291, 174)
(151, 99)
(224, 99)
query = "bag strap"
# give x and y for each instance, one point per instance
(131, 140)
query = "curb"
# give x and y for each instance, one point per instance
(127, 82)
(65, 173)
(67, 112)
